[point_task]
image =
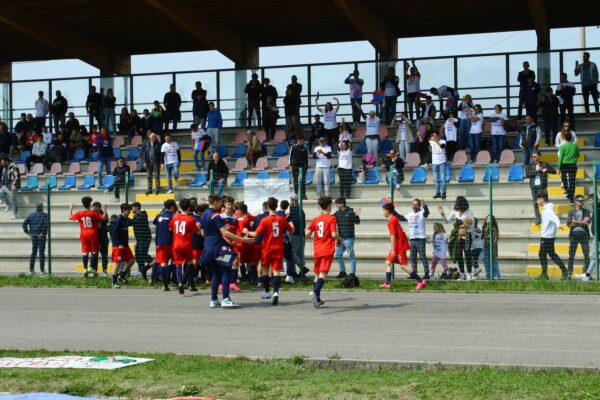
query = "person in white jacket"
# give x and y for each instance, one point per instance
(41, 111)
(550, 225)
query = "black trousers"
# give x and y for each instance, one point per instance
(586, 91)
(38, 245)
(547, 249)
(254, 106)
(451, 148)
(567, 110)
(296, 177)
(577, 238)
(345, 182)
(141, 252)
(568, 172)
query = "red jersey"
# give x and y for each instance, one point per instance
(273, 229)
(231, 224)
(245, 222)
(324, 226)
(88, 223)
(400, 240)
(183, 227)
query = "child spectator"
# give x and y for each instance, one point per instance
(317, 129)
(495, 271)
(404, 136)
(439, 240)
(498, 133)
(476, 247)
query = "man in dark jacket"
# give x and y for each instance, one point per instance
(72, 123)
(346, 218)
(298, 218)
(295, 89)
(104, 150)
(10, 182)
(530, 138)
(299, 159)
(522, 79)
(578, 220)
(253, 90)
(7, 140)
(565, 91)
(537, 172)
(143, 238)
(58, 151)
(530, 101)
(59, 110)
(172, 102)
(36, 227)
(121, 172)
(200, 105)
(103, 230)
(220, 172)
(152, 161)
(93, 106)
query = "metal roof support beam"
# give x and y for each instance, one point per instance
(5, 71)
(73, 45)
(370, 26)
(537, 9)
(233, 46)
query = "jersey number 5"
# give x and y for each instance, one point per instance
(275, 229)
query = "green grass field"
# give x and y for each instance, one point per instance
(229, 379)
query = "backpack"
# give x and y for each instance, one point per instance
(450, 274)
(351, 281)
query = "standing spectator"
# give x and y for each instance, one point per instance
(372, 133)
(322, 154)
(476, 120)
(355, 85)
(254, 148)
(59, 110)
(550, 224)
(450, 94)
(560, 140)
(589, 269)
(299, 159)
(522, 77)
(22, 125)
(220, 172)
(268, 92)
(125, 125)
(345, 169)
(143, 238)
(395, 166)
(464, 218)
(36, 227)
(109, 103)
(413, 88)
(330, 125)
(465, 111)
(318, 130)
(253, 91)
(450, 133)
(346, 218)
(199, 105)
(172, 158)
(136, 124)
(38, 153)
(578, 220)
(391, 90)
(295, 89)
(537, 172)
(72, 123)
(41, 111)
(439, 240)
(121, 172)
(416, 233)
(152, 161)
(404, 136)
(93, 106)
(291, 107)
(567, 165)
(157, 118)
(298, 218)
(422, 144)
(589, 82)
(104, 151)
(438, 162)
(215, 124)
(270, 116)
(498, 132)
(172, 102)
(550, 103)
(495, 235)
(532, 92)
(9, 184)
(200, 142)
(476, 248)
(565, 91)
(428, 111)
(530, 138)
(7, 141)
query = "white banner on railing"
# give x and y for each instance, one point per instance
(76, 362)
(257, 191)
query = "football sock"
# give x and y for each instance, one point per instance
(388, 277)
(276, 283)
(84, 258)
(214, 285)
(164, 272)
(318, 286)
(266, 281)
(233, 276)
(415, 276)
(114, 279)
(94, 261)
(243, 271)
(154, 273)
(179, 274)
(172, 273)
(122, 274)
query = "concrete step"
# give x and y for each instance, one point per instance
(553, 271)
(555, 191)
(562, 249)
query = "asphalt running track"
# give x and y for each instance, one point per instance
(501, 329)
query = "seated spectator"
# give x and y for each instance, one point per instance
(7, 140)
(145, 122)
(77, 141)
(23, 141)
(58, 151)
(120, 172)
(46, 135)
(72, 123)
(124, 121)
(394, 164)
(254, 148)
(317, 131)
(157, 118)
(220, 172)
(38, 152)
(428, 111)
(345, 133)
(136, 124)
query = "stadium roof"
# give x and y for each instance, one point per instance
(104, 33)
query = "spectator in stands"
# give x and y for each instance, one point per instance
(214, 124)
(93, 106)
(125, 123)
(589, 269)
(465, 110)
(450, 94)
(322, 155)
(299, 159)
(404, 136)
(549, 103)
(495, 235)
(220, 172)
(330, 125)
(58, 151)
(24, 141)
(450, 133)
(476, 246)
(109, 103)
(77, 141)
(172, 158)
(346, 218)
(253, 152)
(530, 138)
(199, 145)
(10, 182)
(143, 238)
(522, 77)
(389, 85)
(394, 164)
(295, 129)
(532, 91)
(295, 89)
(105, 153)
(291, 107)
(268, 91)
(157, 117)
(345, 132)
(21, 124)
(578, 220)
(152, 161)
(372, 133)
(422, 144)
(200, 105)
(565, 91)
(589, 82)
(136, 124)
(38, 152)
(59, 109)
(438, 162)
(498, 119)
(72, 123)
(417, 234)
(121, 172)
(476, 121)
(36, 227)
(550, 225)
(413, 88)
(355, 85)
(7, 141)
(41, 111)
(345, 169)
(537, 172)
(270, 117)
(463, 217)
(172, 102)
(46, 135)
(317, 130)
(298, 218)
(428, 111)
(567, 165)
(253, 91)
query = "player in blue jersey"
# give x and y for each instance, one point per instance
(197, 248)
(231, 223)
(164, 242)
(121, 253)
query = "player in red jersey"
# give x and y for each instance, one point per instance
(400, 246)
(88, 225)
(183, 226)
(324, 228)
(272, 228)
(247, 252)
(231, 224)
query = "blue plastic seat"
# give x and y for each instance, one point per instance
(597, 140)
(281, 149)
(331, 176)
(495, 173)
(262, 175)
(32, 184)
(23, 158)
(516, 173)
(51, 180)
(134, 153)
(467, 174)
(116, 152)
(419, 176)
(240, 151)
(199, 180)
(70, 183)
(448, 176)
(362, 148)
(285, 175)
(372, 176)
(385, 146)
(107, 182)
(598, 170)
(78, 156)
(222, 150)
(309, 177)
(88, 182)
(240, 177)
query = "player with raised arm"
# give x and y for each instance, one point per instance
(183, 226)
(273, 229)
(164, 242)
(324, 227)
(90, 241)
(121, 252)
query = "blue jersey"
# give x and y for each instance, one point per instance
(211, 224)
(120, 231)
(259, 217)
(286, 236)
(164, 237)
(197, 239)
